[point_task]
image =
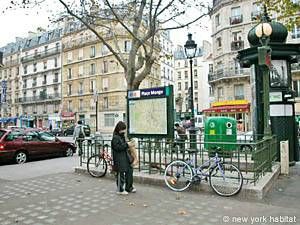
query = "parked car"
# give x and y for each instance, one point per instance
(70, 130)
(22, 145)
(56, 131)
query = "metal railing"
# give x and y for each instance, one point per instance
(252, 155)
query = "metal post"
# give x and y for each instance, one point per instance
(266, 94)
(97, 114)
(192, 128)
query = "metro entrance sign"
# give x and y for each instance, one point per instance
(150, 112)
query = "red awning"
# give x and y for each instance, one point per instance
(228, 109)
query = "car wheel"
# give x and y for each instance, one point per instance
(69, 152)
(21, 157)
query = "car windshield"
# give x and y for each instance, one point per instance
(45, 136)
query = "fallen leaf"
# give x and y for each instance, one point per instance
(145, 205)
(181, 212)
(131, 203)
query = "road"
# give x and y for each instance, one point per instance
(49, 192)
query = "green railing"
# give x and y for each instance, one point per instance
(253, 158)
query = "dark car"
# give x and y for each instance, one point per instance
(56, 131)
(70, 130)
(22, 145)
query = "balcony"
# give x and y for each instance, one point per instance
(41, 97)
(33, 84)
(40, 55)
(236, 19)
(227, 74)
(55, 80)
(237, 45)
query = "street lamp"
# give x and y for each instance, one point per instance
(190, 48)
(263, 31)
(96, 95)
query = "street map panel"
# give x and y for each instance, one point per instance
(148, 116)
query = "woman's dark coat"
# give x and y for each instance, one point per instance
(119, 153)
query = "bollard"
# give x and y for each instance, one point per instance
(284, 157)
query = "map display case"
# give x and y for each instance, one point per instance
(151, 112)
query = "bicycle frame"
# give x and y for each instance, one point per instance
(199, 171)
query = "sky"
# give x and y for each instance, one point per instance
(17, 23)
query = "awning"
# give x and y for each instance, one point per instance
(8, 119)
(228, 109)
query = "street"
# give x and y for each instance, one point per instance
(49, 192)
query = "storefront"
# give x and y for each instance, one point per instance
(8, 121)
(26, 121)
(67, 119)
(54, 120)
(238, 109)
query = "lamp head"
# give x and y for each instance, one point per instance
(190, 47)
(263, 29)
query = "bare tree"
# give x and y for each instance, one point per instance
(143, 20)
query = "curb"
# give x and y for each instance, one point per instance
(249, 191)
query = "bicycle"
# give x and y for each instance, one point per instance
(98, 163)
(224, 178)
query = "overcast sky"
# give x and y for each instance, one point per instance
(17, 23)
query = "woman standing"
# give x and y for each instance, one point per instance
(121, 160)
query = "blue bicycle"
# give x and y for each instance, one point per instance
(224, 178)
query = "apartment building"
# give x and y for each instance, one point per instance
(200, 70)
(10, 79)
(230, 84)
(167, 59)
(91, 73)
(40, 71)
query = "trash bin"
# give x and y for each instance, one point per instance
(218, 130)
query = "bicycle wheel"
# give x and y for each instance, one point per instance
(178, 175)
(97, 166)
(226, 179)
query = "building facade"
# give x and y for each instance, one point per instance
(91, 73)
(200, 69)
(230, 84)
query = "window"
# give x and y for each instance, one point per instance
(34, 82)
(256, 9)
(109, 120)
(178, 64)
(239, 92)
(70, 106)
(105, 66)
(105, 84)
(17, 71)
(127, 46)
(195, 73)
(196, 84)
(92, 86)
(36, 52)
(195, 62)
(93, 69)
(93, 51)
(25, 84)
(80, 91)
(179, 75)
(179, 86)
(69, 89)
(105, 102)
(80, 70)
(186, 85)
(217, 20)
(45, 65)
(55, 62)
(55, 77)
(296, 87)
(70, 73)
(34, 67)
(46, 49)
(104, 50)
(296, 32)
(70, 56)
(80, 53)
(220, 93)
(80, 104)
(185, 63)
(219, 42)
(186, 76)
(236, 16)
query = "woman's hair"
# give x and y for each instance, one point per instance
(120, 126)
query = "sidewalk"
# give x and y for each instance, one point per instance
(249, 190)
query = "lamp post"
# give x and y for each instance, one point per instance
(263, 32)
(96, 103)
(190, 48)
